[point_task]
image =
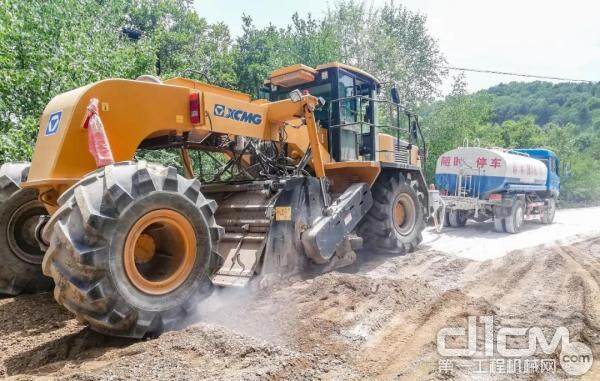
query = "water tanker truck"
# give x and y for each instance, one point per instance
(507, 186)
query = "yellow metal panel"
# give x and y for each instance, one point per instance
(386, 148)
(205, 87)
(415, 158)
(137, 110)
(291, 69)
(47, 148)
(283, 213)
(343, 174)
(219, 121)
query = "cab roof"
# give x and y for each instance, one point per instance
(297, 67)
(348, 68)
(536, 152)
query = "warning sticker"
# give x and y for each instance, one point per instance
(283, 213)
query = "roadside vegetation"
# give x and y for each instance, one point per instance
(48, 47)
(493, 118)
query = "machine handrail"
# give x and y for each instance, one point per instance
(360, 116)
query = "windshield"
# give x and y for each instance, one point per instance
(323, 90)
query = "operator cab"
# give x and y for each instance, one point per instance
(349, 111)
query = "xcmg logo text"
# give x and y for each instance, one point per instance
(239, 115)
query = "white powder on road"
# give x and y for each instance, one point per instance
(479, 241)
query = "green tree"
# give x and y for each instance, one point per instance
(183, 42)
(259, 51)
(48, 47)
(522, 133)
(392, 43)
(447, 124)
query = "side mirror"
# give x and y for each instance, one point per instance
(321, 101)
(565, 172)
(395, 95)
(295, 95)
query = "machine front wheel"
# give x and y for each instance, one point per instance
(131, 249)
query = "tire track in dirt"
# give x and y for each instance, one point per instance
(376, 321)
(544, 286)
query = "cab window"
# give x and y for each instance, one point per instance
(347, 106)
(322, 90)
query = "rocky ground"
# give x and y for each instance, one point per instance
(378, 319)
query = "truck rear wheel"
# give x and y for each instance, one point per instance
(131, 248)
(395, 223)
(499, 225)
(514, 221)
(549, 212)
(457, 218)
(20, 253)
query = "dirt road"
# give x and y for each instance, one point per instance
(376, 320)
(480, 242)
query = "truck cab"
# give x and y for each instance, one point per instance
(552, 162)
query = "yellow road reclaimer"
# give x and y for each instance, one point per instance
(133, 246)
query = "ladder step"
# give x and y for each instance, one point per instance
(227, 280)
(247, 238)
(251, 229)
(242, 207)
(235, 222)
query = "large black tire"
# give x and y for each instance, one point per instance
(20, 253)
(549, 212)
(515, 220)
(88, 235)
(499, 225)
(378, 228)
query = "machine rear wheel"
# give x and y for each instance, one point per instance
(395, 223)
(20, 253)
(131, 248)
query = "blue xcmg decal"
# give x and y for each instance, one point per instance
(53, 123)
(239, 115)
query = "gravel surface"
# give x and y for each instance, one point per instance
(375, 320)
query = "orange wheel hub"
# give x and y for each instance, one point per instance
(399, 213)
(160, 252)
(404, 214)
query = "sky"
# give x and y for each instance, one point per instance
(553, 38)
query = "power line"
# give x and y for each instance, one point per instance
(516, 74)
